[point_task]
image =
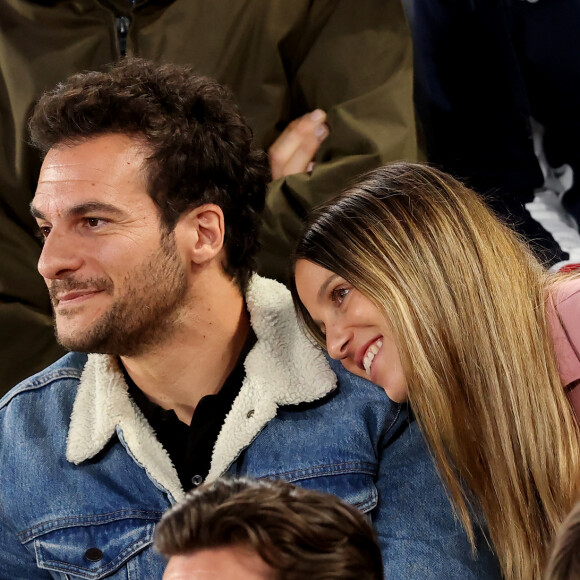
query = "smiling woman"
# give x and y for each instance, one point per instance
(407, 278)
(353, 328)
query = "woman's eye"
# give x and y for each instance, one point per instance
(339, 294)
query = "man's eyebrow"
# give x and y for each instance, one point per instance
(82, 209)
(36, 213)
(325, 285)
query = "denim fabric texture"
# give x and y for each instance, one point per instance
(354, 443)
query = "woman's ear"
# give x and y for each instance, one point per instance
(202, 229)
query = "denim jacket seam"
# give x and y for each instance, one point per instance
(399, 407)
(47, 526)
(323, 470)
(117, 561)
(368, 504)
(40, 382)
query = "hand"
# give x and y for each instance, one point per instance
(294, 150)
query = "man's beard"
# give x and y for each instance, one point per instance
(143, 316)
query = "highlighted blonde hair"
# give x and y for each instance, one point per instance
(467, 304)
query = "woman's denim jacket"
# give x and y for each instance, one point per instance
(83, 479)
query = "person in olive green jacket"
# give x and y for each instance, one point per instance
(340, 68)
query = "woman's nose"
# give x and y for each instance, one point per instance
(337, 340)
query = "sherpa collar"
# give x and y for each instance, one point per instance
(283, 368)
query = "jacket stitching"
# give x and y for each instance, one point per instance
(116, 562)
(329, 469)
(40, 382)
(76, 521)
(396, 412)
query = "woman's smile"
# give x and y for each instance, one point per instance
(356, 332)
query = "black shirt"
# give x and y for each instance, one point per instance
(190, 447)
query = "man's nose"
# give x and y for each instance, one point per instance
(337, 340)
(60, 255)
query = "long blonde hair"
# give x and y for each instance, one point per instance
(467, 303)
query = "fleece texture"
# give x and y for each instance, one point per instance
(283, 368)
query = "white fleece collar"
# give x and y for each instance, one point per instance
(283, 368)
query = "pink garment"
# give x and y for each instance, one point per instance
(564, 321)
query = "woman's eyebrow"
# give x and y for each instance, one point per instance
(325, 285)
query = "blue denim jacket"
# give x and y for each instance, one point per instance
(59, 498)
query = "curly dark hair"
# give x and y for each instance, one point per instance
(201, 148)
(299, 533)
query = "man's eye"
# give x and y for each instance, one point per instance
(339, 294)
(93, 222)
(43, 232)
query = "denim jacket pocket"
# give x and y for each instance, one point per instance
(352, 481)
(91, 550)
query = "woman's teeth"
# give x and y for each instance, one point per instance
(370, 355)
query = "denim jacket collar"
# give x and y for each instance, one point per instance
(283, 368)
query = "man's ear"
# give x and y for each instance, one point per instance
(203, 229)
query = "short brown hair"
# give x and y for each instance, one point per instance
(299, 533)
(564, 563)
(200, 148)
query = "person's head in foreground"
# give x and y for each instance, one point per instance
(564, 563)
(266, 530)
(409, 280)
(148, 200)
